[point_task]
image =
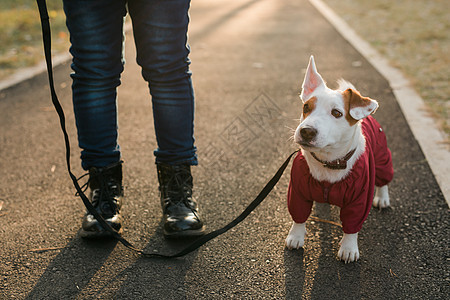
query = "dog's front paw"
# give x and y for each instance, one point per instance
(349, 251)
(381, 199)
(296, 236)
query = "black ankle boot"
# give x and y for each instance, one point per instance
(106, 192)
(180, 213)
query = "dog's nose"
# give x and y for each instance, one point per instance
(308, 134)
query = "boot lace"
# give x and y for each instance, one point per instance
(179, 187)
(104, 196)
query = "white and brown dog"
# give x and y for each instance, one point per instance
(344, 157)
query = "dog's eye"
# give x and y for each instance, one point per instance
(336, 113)
(306, 108)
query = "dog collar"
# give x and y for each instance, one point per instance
(338, 164)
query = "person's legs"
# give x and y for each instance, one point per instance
(160, 31)
(96, 35)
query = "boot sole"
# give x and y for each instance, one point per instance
(184, 234)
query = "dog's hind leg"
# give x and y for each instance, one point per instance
(296, 236)
(381, 199)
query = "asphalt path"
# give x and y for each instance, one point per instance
(248, 60)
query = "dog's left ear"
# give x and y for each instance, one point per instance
(312, 80)
(359, 106)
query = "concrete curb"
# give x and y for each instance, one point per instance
(27, 73)
(412, 105)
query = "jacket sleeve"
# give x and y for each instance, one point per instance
(298, 205)
(358, 199)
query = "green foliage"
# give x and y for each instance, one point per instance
(20, 41)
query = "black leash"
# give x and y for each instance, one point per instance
(45, 23)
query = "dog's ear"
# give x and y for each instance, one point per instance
(359, 107)
(312, 80)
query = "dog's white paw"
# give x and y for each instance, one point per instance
(296, 236)
(349, 251)
(381, 199)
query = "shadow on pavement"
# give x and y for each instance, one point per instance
(157, 278)
(72, 269)
(295, 273)
(92, 268)
(314, 272)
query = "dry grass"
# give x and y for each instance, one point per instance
(415, 36)
(21, 38)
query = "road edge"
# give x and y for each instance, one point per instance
(412, 105)
(30, 72)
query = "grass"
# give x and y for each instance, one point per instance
(414, 35)
(21, 38)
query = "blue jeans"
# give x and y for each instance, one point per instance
(160, 32)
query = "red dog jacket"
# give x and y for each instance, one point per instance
(354, 194)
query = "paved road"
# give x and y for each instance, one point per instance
(248, 62)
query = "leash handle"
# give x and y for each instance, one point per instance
(46, 36)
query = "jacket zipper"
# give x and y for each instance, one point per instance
(326, 190)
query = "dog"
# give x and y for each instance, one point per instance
(343, 158)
